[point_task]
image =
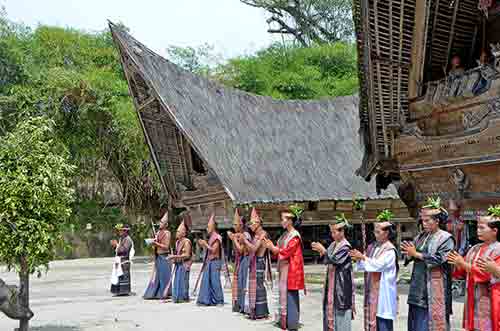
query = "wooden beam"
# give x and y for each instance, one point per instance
(146, 103)
(379, 81)
(452, 31)
(400, 59)
(129, 76)
(418, 48)
(367, 63)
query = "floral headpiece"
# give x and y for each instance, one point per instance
(494, 213)
(342, 220)
(296, 210)
(433, 203)
(385, 216)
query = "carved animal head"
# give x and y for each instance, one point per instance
(10, 304)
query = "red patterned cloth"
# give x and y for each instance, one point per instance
(495, 306)
(480, 292)
(293, 253)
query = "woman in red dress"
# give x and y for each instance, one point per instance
(482, 309)
(290, 269)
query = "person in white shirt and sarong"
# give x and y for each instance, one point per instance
(380, 265)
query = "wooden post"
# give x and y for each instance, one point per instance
(398, 234)
(24, 285)
(418, 48)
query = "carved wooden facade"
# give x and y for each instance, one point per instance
(429, 129)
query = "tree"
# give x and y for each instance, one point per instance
(75, 78)
(35, 200)
(200, 59)
(288, 72)
(309, 21)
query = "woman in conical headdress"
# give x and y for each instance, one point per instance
(429, 298)
(380, 265)
(241, 262)
(158, 285)
(182, 260)
(260, 265)
(211, 293)
(482, 303)
(338, 299)
(290, 268)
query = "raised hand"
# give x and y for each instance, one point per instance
(357, 255)
(409, 249)
(318, 247)
(456, 259)
(268, 243)
(487, 264)
(202, 243)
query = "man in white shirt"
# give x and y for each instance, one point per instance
(380, 265)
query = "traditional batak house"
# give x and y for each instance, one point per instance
(216, 148)
(429, 103)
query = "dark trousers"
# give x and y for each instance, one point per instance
(384, 325)
(418, 318)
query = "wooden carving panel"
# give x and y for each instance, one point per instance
(414, 152)
(479, 182)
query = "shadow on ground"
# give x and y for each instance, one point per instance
(54, 328)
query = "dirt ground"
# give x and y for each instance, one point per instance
(74, 296)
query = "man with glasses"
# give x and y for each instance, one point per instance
(430, 297)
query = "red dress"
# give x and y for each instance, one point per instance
(479, 283)
(293, 253)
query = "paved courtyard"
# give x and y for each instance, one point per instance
(74, 296)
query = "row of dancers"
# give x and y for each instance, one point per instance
(435, 264)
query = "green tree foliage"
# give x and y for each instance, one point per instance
(36, 193)
(200, 60)
(288, 72)
(75, 78)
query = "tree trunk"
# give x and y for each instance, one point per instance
(24, 283)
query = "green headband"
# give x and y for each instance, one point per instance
(433, 203)
(494, 211)
(385, 216)
(296, 210)
(342, 220)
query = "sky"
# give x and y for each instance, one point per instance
(231, 27)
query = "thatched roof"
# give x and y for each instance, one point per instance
(261, 149)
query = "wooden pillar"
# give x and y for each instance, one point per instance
(398, 235)
(418, 48)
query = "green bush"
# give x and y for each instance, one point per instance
(289, 72)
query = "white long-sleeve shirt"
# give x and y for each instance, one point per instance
(387, 298)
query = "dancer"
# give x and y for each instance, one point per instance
(482, 300)
(211, 293)
(290, 269)
(256, 304)
(338, 294)
(182, 261)
(430, 298)
(380, 265)
(241, 261)
(160, 279)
